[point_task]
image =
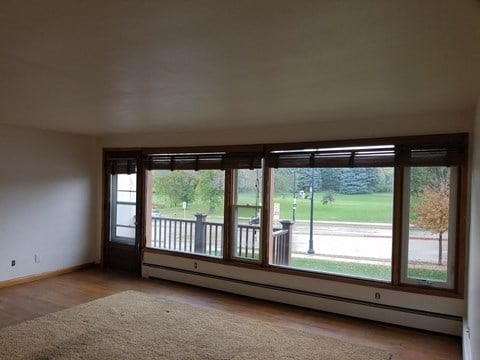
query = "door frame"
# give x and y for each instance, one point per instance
(117, 255)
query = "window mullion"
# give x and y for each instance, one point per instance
(229, 227)
(267, 211)
(397, 225)
(462, 185)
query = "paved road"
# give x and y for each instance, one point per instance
(367, 241)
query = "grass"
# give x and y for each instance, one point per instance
(371, 271)
(349, 208)
(376, 207)
(189, 213)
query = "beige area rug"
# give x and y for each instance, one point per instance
(133, 325)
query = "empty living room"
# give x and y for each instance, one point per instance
(240, 179)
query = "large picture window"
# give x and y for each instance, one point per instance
(386, 212)
(341, 220)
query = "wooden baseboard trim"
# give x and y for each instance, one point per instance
(45, 275)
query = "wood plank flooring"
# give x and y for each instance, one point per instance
(28, 301)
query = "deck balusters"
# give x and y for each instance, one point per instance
(202, 237)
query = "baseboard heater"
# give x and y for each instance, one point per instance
(402, 316)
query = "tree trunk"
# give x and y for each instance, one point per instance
(440, 250)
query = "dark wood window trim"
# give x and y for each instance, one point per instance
(455, 152)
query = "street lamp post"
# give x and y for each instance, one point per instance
(310, 243)
(294, 208)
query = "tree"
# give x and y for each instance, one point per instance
(355, 181)
(284, 184)
(177, 186)
(210, 188)
(384, 180)
(432, 211)
(304, 179)
(428, 176)
(331, 179)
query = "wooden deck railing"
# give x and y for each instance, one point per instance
(204, 237)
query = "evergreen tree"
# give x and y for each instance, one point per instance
(331, 179)
(372, 178)
(304, 179)
(355, 181)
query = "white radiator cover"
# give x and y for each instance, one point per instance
(433, 313)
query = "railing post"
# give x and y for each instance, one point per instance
(200, 233)
(287, 243)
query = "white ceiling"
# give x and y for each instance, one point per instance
(118, 66)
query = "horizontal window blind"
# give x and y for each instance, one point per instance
(332, 158)
(431, 156)
(448, 153)
(429, 150)
(116, 166)
(203, 161)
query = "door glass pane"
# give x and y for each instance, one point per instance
(123, 208)
(185, 211)
(334, 220)
(247, 210)
(430, 230)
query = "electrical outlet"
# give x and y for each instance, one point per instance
(377, 296)
(13, 262)
(195, 265)
(36, 258)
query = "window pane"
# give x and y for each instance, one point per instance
(125, 232)
(429, 224)
(123, 208)
(185, 211)
(247, 210)
(334, 220)
(126, 214)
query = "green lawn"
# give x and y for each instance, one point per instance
(350, 208)
(371, 271)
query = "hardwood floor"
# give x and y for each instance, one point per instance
(27, 301)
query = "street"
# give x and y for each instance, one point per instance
(366, 242)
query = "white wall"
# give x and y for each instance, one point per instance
(47, 193)
(473, 316)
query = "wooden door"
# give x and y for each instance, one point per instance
(122, 219)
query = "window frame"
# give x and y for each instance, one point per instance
(398, 239)
(147, 206)
(346, 275)
(452, 234)
(113, 221)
